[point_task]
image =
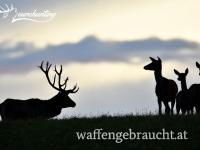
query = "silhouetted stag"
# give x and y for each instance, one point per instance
(183, 101)
(195, 93)
(166, 89)
(40, 109)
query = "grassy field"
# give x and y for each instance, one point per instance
(61, 134)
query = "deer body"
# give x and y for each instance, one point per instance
(183, 101)
(195, 93)
(12, 109)
(166, 89)
(28, 109)
(168, 92)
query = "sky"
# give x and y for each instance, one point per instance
(103, 46)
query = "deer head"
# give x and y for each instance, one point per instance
(155, 65)
(181, 76)
(62, 98)
(198, 66)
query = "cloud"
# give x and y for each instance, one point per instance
(120, 20)
(24, 57)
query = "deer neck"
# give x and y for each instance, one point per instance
(158, 75)
(54, 100)
(183, 85)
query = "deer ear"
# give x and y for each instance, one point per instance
(186, 71)
(198, 65)
(152, 59)
(159, 59)
(176, 72)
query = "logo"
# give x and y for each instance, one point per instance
(34, 16)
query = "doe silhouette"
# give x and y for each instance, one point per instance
(195, 93)
(183, 101)
(166, 89)
(12, 109)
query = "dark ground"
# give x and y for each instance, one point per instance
(61, 134)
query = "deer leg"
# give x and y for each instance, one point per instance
(188, 112)
(167, 109)
(197, 109)
(160, 107)
(177, 109)
(183, 111)
(191, 110)
(172, 107)
(2, 116)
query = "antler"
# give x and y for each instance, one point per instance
(61, 86)
(59, 78)
(74, 89)
(46, 72)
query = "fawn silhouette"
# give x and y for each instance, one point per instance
(166, 89)
(12, 109)
(183, 101)
(195, 93)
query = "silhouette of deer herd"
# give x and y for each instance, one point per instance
(166, 90)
